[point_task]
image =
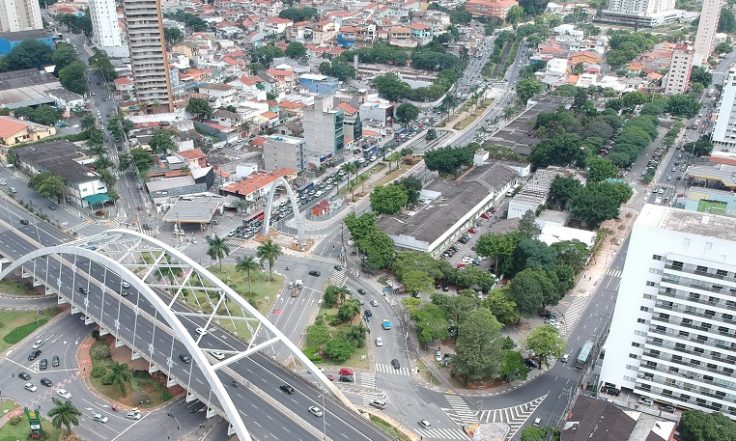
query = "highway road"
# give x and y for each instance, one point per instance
(260, 371)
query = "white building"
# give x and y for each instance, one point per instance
(673, 337)
(20, 15)
(105, 27)
(724, 131)
(707, 26)
(641, 12)
(678, 77)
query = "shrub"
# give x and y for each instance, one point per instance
(23, 331)
(98, 371)
(15, 420)
(106, 380)
(166, 395)
(100, 351)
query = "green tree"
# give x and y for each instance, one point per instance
(533, 253)
(74, 77)
(340, 348)
(296, 50)
(448, 160)
(527, 88)
(475, 278)
(499, 247)
(684, 105)
(727, 21)
(701, 147)
(533, 289)
(388, 199)
(139, 158)
(596, 203)
(406, 113)
(119, 377)
(28, 54)
(162, 142)
(600, 169)
(217, 249)
(417, 281)
(64, 414)
(431, 323)
(533, 7)
(265, 54)
(338, 69)
(528, 228)
(545, 342)
(391, 87)
(64, 54)
(416, 261)
(173, 36)
(348, 310)
(515, 14)
(87, 122)
(247, 265)
(299, 14)
(502, 306)
(533, 434)
(100, 62)
(479, 353)
(317, 335)
(723, 48)
(696, 425)
(560, 149)
(562, 191)
(200, 108)
(331, 296)
(572, 253)
(48, 185)
(269, 251)
(431, 134)
(700, 75)
(513, 366)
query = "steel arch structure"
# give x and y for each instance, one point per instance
(140, 261)
(281, 182)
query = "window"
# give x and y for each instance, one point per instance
(640, 320)
(648, 296)
(694, 362)
(710, 366)
(684, 334)
(677, 358)
(722, 273)
(676, 265)
(727, 317)
(633, 356)
(656, 257)
(635, 344)
(699, 350)
(702, 338)
(679, 345)
(650, 283)
(701, 269)
(643, 308)
(674, 370)
(686, 321)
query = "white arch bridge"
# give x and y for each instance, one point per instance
(189, 325)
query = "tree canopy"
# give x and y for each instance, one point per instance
(405, 113)
(478, 352)
(200, 108)
(299, 14)
(448, 160)
(388, 199)
(338, 69)
(696, 425)
(295, 50)
(74, 77)
(28, 54)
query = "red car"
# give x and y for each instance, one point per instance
(485, 215)
(330, 377)
(473, 230)
(461, 265)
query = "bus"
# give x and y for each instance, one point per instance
(584, 354)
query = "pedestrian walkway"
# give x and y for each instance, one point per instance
(514, 416)
(388, 369)
(451, 433)
(461, 411)
(573, 314)
(614, 273)
(367, 379)
(338, 278)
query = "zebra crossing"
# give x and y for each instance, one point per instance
(338, 278)
(367, 379)
(614, 272)
(451, 433)
(324, 259)
(514, 416)
(573, 314)
(388, 369)
(462, 412)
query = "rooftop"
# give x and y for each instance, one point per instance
(59, 158)
(684, 221)
(286, 139)
(194, 209)
(25, 35)
(597, 420)
(257, 181)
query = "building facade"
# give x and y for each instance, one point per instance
(707, 27)
(282, 151)
(20, 15)
(319, 84)
(678, 77)
(672, 337)
(145, 34)
(324, 133)
(641, 12)
(490, 8)
(724, 131)
(105, 27)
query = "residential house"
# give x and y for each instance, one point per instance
(219, 94)
(14, 131)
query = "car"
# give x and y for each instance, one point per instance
(645, 401)
(201, 331)
(34, 355)
(30, 387)
(3, 182)
(289, 389)
(100, 418)
(424, 424)
(537, 422)
(374, 303)
(63, 393)
(386, 324)
(24, 376)
(438, 356)
(316, 411)
(12, 190)
(43, 364)
(218, 355)
(83, 290)
(52, 206)
(37, 344)
(330, 377)
(46, 382)
(347, 378)
(314, 273)
(378, 404)
(368, 313)
(134, 414)
(24, 222)
(125, 284)
(338, 267)
(667, 408)
(565, 358)
(395, 364)
(186, 359)
(379, 341)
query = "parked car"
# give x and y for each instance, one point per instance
(379, 341)
(34, 355)
(30, 387)
(646, 401)
(63, 393)
(24, 376)
(43, 364)
(378, 404)
(37, 344)
(100, 418)
(46, 382)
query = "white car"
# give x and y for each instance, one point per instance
(201, 331)
(316, 411)
(30, 387)
(565, 358)
(37, 344)
(63, 393)
(3, 182)
(134, 414)
(379, 341)
(125, 285)
(218, 355)
(101, 418)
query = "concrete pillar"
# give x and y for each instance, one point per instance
(170, 382)
(135, 355)
(190, 397)
(103, 331)
(210, 413)
(152, 368)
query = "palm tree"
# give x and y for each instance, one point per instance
(247, 264)
(394, 157)
(64, 414)
(349, 168)
(97, 149)
(269, 251)
(120, 376)
(348, 311)
(217, 249)
(342, 293)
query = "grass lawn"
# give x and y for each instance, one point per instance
(389, 429)
(16, 325)
(262, 294)
(16, 288)
(473, 116)
(359, 359)
(714, 207)
(21, 430)
(393, 175)
(141, 388)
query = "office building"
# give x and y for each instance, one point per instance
(319, 84)
(641, 12)
(20, 15)
(707, 27)
(323, 130)
(490, 8)
(724, 131)
(106, 32)
(145, 34)
(672, 337)
(282, 151)
(678, 77)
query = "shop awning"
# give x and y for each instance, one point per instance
(97, 199)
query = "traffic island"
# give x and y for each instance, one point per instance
(14, 424)
(390, 426)
(17, 325)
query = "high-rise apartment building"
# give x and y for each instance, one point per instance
(724, 131)
(678, 77)
(641, 12)
(323, 130)
(673, 335)
(105, 28)
(707, 27)
(148, 59)
(20, 15)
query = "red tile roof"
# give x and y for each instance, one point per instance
(257, 181)
(192, 154)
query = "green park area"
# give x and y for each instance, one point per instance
(714, 207)
(17, 325)
(17, 428)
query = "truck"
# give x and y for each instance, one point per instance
(584, 355)
(295, 288)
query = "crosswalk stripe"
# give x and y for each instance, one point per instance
(514, 416)
(367, 379)
(433, 433)
(461, 408)
(388, 369)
